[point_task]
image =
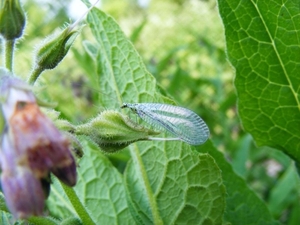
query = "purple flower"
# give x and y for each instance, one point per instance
(23, 191)
(31, 148)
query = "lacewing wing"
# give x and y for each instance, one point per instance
(183, 123)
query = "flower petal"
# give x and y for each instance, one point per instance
(44, 147)
(23, 192)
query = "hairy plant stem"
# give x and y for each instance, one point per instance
(36, 72)
(42, 221)
(79, 208)
(9, 54)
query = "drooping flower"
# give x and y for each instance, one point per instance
(31, 148)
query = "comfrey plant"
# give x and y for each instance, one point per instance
(164, 182)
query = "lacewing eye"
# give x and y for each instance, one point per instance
(183, 123)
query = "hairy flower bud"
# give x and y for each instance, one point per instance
(54, 49)
(111, 131)
(12, 20)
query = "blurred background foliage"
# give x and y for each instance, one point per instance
(182, 44)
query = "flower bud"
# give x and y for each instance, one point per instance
(111, 131)
(54, 49)
(12, 20)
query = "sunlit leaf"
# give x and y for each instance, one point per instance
(263, 44)
(186, 187)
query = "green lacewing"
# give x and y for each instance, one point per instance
(183, 123)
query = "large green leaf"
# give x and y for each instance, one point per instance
(263, 44)
(185, 187)
(122, 76)
(165, 181)
(243, 206)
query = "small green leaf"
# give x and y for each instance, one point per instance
(241, 156)
(90, 49)
(6, 218)
(101, 188)
(263, 44)
(3, 206)
(281, 196)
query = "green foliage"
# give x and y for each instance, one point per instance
(242, 204)
(180, 182)
(101, 188)
(280, 196)
(226, 180)
(122, 72)
(263, 45)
